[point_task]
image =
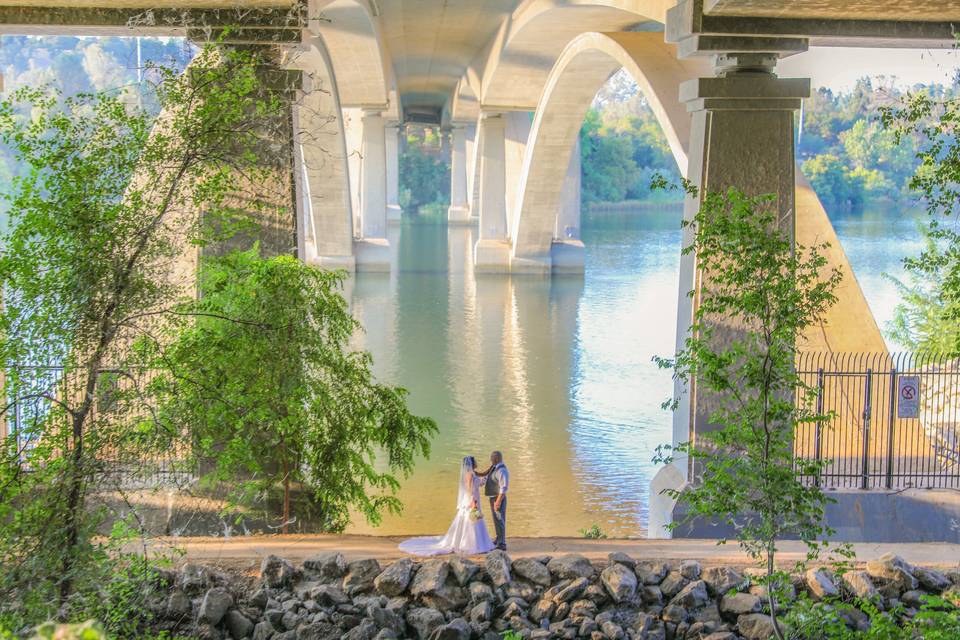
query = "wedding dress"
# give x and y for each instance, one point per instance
(465, 536)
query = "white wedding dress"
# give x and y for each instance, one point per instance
(465, 536)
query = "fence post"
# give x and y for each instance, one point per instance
(890, 425)
(817, 444)
(867, 402)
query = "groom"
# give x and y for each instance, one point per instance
(498, 481)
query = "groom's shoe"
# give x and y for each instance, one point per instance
(502, 547)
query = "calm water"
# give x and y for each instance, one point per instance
(556, 372)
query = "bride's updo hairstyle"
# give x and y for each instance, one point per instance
(470, 462)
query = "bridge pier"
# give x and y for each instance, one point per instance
(742, 136)
(392, 140)
(459, 211)
(492, 251)
(372, 249)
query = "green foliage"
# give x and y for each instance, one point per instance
(757, 296)
(100, 219)
(936, 619)
(593, 533)
(930, 314)
(90, 630)
(283, 402)
(621, 147)
(424, 173)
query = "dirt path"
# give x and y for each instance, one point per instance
(244, 553)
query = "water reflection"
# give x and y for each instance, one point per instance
(556, 372)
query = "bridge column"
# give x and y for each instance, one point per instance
(373, 248)
(392, 138)
(567, 253)
(742, 136)
(459, 211)
(492, 251)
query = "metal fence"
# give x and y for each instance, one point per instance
(894, 420)
(121, 397)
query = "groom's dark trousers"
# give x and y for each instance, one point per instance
(499, 522)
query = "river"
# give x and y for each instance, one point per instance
(555, 372)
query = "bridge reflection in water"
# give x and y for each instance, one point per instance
(557, 371)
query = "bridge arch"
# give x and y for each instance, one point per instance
(517, 65)
(354, 41)
(582, 68)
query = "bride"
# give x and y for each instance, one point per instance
(467, 534)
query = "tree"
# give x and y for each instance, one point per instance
(101, 225)
(925, 319)
(833, 180)
(758, 295)
(933, 304)
(284, 403)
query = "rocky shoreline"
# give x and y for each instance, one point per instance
(563, 597)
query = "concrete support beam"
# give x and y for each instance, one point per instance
(372, 248)
(459, 211)
(492, 251)
(741, 136)
(393, 132)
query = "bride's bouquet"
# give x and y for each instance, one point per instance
(476, 514)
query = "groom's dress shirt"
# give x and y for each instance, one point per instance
(502, 476)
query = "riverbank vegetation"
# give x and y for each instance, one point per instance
(118, 375)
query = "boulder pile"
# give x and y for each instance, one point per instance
(563, 597)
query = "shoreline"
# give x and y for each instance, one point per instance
(245, 553)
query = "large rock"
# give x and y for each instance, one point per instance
(893, 568)
(738, 604)
(263, 630)
(456, 629)
(691, 569)
(531, 570)
(386, 618)
(395, 579)
(463, 570)
(430, 577)
(238, 625)
(931, 579)
(572, 590)
(622, 558)
(328, 566)
(480, 592)
(366, 630)
(720, 580)
(570, 566)
(178, 606)
(449, 597)
(195, 578)
(360, 576)
(673, 583)
(328, 595)
(214, 606)
(619, 581)
(820, 584)
(755, 626)
(497, 563)
(542, 609)
(692, 596)
(276, 572)
(424, 620)
(651, 573)
(859, 584)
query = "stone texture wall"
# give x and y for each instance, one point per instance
(564, 597)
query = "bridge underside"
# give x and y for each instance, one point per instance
(508, 82)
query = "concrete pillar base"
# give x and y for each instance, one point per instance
(660, 512)
(568, 256)
(539, 265)
(394, 213)
(372, 254)
(458, 214)
(332, 263)
(491, 256)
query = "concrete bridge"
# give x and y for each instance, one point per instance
(508, 83)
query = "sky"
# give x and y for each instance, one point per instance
(838, 68)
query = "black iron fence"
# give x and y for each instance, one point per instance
(37, 394)
(894, 420)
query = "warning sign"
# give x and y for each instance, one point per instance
(908, 397)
